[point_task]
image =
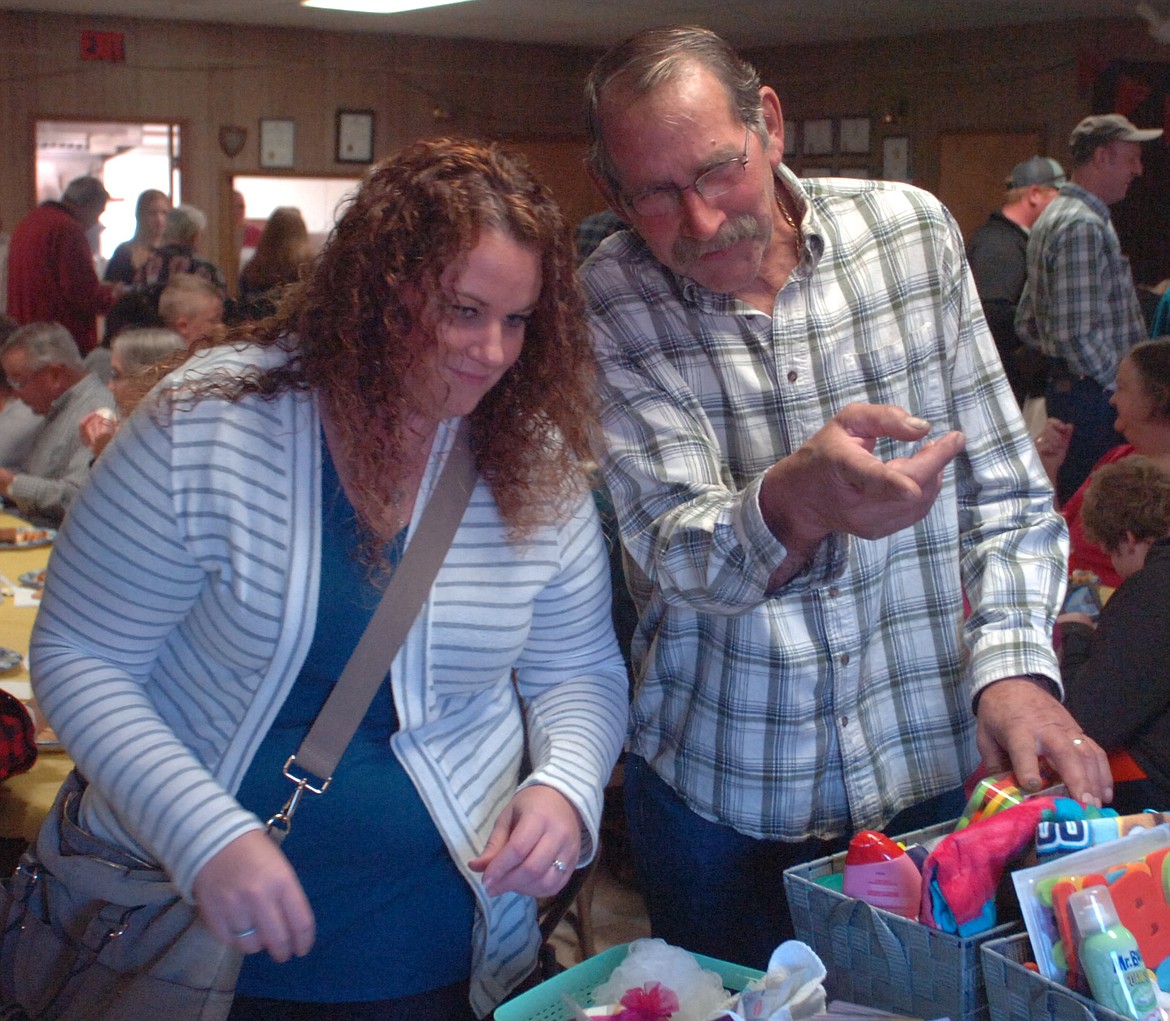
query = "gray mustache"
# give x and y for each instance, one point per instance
(744, 227)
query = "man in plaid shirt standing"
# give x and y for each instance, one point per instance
(814, 457)
(1079, 306)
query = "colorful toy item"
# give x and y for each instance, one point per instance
(880, 872)
(992, 794)
(962, 874)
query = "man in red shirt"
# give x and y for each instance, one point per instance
(51, 277)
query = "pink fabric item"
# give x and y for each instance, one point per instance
(653, 1002)
(967, 865)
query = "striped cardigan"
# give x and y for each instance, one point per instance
(180, 603)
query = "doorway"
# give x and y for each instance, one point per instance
(319, 200)
(127, 156)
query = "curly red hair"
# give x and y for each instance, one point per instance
(356, 329)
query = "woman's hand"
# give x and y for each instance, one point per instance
(1052, 446)
(97, 429)
(536, 832)
(249, 895)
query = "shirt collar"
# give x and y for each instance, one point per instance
(1075, 191)
(63, 401)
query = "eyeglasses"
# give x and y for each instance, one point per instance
(718, 180)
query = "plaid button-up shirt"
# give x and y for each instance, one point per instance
(1079, 302)
(846, 696)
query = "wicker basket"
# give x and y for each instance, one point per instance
(884, 960)
(545, 1002)
(1016, 993)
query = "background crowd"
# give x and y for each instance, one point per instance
(804, 406)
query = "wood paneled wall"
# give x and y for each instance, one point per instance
(206, 76)
(1021, 78)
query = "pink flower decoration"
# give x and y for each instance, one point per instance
(653, 1002)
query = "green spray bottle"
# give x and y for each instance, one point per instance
(1118, 977)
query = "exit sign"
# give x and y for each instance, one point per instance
(103, 46)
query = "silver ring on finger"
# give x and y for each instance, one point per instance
(245, 934)
(1078, 741)
(559, 865)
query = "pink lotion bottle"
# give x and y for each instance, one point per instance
(881, 873)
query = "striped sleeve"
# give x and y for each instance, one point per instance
(572, 676)
(140, 639)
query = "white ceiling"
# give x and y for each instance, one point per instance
(746, 23)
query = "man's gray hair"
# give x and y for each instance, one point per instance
(184, 224)
(644, 62)
(44, 344)
(146, 347)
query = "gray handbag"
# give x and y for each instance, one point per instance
(89, 933)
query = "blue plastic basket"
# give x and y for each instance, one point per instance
(545, 1003)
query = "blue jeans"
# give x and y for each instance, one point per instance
(716, 891)
(1085, 404)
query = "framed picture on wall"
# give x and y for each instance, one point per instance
(818, 136)
(355, 136)
(277, 143)
(854, 135)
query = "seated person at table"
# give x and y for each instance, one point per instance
(1115, 677)
(42, 364)
(289, 466)
(19, 424)
(1142, 400)
(138, 360)
(134, 310)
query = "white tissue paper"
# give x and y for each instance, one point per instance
(700, 992)
(791, 989)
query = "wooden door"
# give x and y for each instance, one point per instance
(561, 165)
(973, 169)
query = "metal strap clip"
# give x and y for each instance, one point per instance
(282, 821)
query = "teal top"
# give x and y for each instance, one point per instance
(393, 913)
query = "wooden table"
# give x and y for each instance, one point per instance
(24, 799)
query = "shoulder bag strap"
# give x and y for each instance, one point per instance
(311, 767)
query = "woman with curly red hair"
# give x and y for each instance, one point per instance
(248, 519)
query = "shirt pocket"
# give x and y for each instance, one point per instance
(906, 366)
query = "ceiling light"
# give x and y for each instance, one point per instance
(378, 6)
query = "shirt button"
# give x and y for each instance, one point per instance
(792, 376)
(844, 721)
(845, 659)
(834, 592)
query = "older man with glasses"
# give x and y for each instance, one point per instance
(43, 367)
(814, 457)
